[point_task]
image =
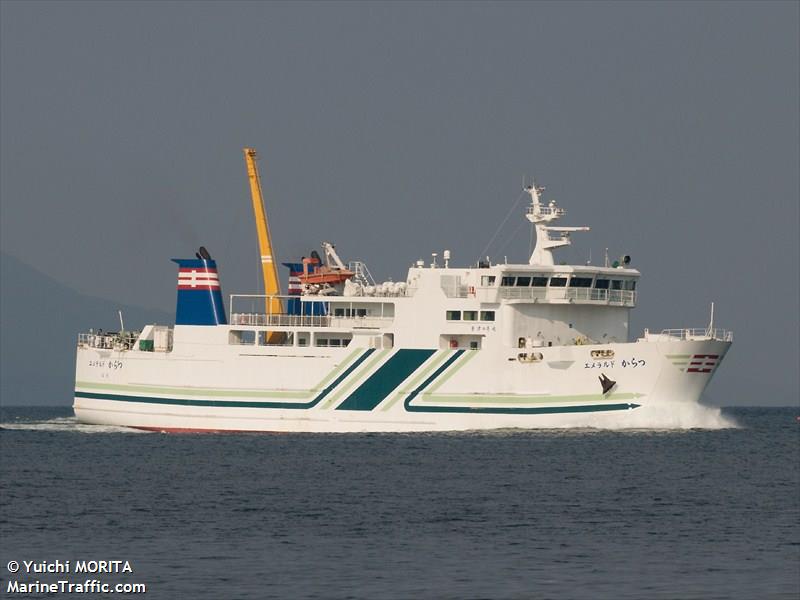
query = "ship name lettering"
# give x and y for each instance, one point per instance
(599, 364)
(633, 363)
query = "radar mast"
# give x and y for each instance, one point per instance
(547, 237)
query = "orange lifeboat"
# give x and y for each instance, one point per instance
(314, 273)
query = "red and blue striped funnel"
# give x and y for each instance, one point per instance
(199, 293)
(295, 288)
(294, 306)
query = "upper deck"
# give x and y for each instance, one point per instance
(540, 284)
(483, 305)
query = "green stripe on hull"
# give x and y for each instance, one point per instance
(231, 403)
(186, 391)
(433, 377)
(415, 382)
(472, 354)
(467, 398)
(383, 382)
(221, 392)
(379, 356)
(439, 409)
(336, 371)
(525, 410)
(538, 410)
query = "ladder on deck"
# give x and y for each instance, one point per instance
(361, 273)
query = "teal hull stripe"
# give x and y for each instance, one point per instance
(384, 381)
(231, 403)
(434, 375)
(539, 410)
(543, 410)
(439, 409)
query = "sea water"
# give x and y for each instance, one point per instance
(709, 512)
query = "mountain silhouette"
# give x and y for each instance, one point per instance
(40, 319)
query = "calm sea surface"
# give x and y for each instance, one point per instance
(543, 514)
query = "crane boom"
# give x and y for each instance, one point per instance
(272, 285)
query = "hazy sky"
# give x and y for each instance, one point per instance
(397, 130)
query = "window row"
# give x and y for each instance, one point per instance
(470, 315)
(330, 342)
(575, 281)
(249, 337)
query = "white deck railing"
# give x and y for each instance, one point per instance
(692, 334)
(545, 210)
(284, 320)
(108, 341)
(582, 295)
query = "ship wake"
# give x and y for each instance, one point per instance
(670, 416)
(65, 424)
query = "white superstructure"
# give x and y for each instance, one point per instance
(450, 348)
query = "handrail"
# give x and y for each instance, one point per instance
(695, 333)
(545, 210)
(108, 340)
(594, 295)
(287, 320)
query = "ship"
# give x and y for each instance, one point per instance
(492, 345)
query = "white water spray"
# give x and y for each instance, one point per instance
(669, 416)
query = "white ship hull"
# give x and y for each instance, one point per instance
(274, 389)
(449, 349)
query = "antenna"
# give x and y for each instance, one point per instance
(121, 323)
(710, 330)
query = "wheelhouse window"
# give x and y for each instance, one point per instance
(539, 282)
(470, 315)
(616, 284)
(580, 282)
(487, 280)
(558, 282)
(487, 315)
(523, 281)
(601, 284)
(507, 281)
(453, 315)
(630, 284)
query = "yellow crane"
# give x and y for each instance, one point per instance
(272, 285)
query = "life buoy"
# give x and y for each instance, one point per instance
(472, 290)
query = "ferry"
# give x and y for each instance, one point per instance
(450, 348)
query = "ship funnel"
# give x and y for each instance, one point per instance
(199, 292)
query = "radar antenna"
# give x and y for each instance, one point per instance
(547, 237)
